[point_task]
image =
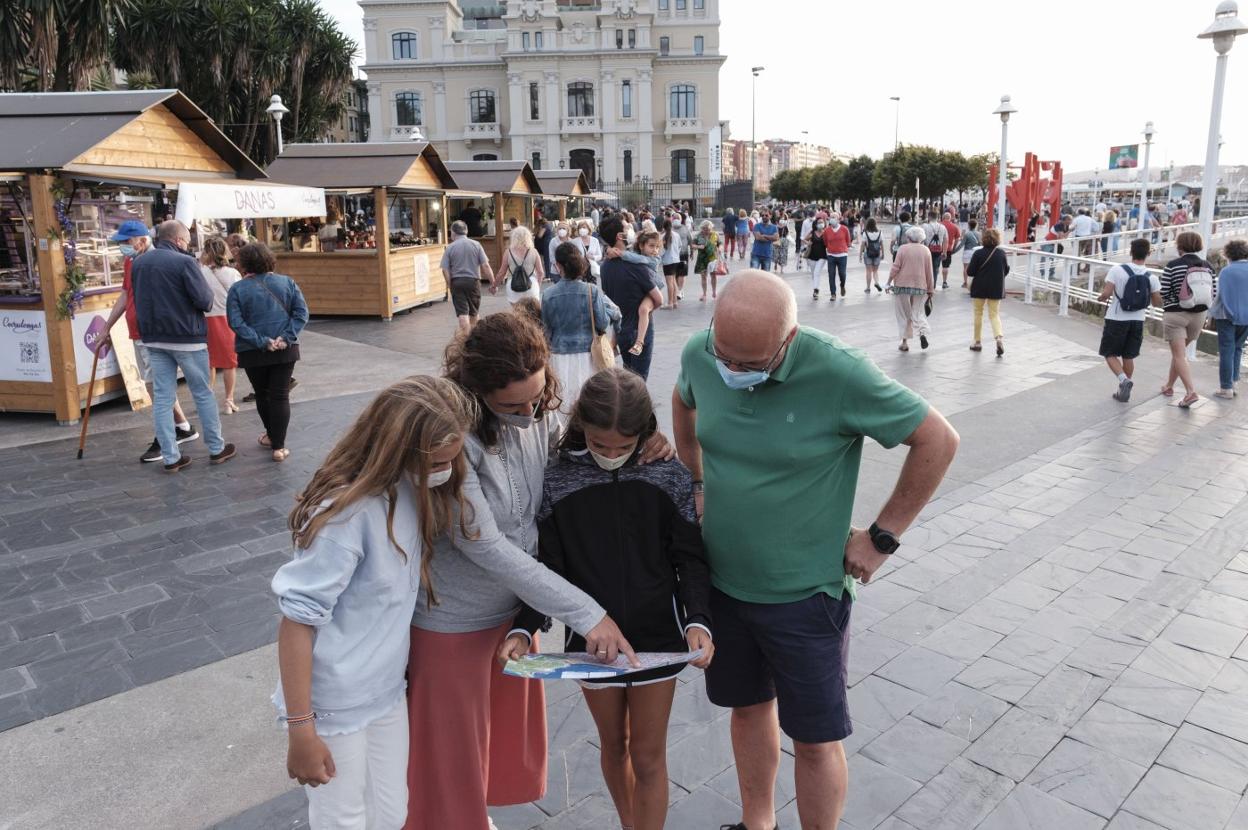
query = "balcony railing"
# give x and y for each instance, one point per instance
(581, 124)
(405, 133)
(683, 126)
(488, 131)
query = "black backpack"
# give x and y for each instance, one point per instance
(1137, 293)
(875, 247)
(520, 279)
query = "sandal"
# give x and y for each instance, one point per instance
(230, 407)
(1188, 400)
(977, 347)
(264, 441)
(281, 455)
(1168, 391)
(903, 348)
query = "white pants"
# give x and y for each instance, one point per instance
(911, 318)
(369, 789)
(818, 267)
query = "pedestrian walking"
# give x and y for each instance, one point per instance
(707, 247)
(364, 531)
(730, 232)
(745, 239)
(522, 273)
(558, 237)
(574, 312)
(670, 261)
(817, 253)
(267, 311)
(682, 231)
(753, 389)
(971, 241)
(1189, 287)
(1230, 315)
(953, 241)
(654, 582)
(464, 264)
(135, 239)
(591, 247)
(171, 297)
(988, 269)
(213, 262)
(871, 252)
(836, 241)
(1129, 290)
(912, 281)
(781, 248)
(541, 241)
(628, 285)
(937, 243)
(765, 234)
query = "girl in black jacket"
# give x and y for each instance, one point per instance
(628, 536)
(987, 270)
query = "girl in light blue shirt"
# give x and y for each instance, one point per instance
(363, 533)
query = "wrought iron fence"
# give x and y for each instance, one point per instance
(703, 195)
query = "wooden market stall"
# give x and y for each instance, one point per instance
(78, 165)
(379, 249)
(512, 189)
(563, 189)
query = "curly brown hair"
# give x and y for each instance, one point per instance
(501, 349)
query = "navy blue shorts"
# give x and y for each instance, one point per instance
(795, 653)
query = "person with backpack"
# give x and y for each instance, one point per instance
(970, 241)
(523, 267)
(1129, 290)
(953, 237)
(1188, 288)
(899, 238)
(988, 269)
(937, 243)
(871, 251)
(1230, 315)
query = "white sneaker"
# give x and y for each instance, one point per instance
(1225, 393)
(493, 826)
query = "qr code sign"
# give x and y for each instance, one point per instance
(29, 352)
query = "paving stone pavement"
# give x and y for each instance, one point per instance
(1059, 642)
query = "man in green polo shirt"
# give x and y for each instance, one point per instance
(771, 417)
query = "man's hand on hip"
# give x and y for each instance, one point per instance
(862, 560)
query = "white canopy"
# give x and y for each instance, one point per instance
(246, 200)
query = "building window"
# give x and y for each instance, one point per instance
(628, 165)
(664, 5)
(619, 38)
(632, 38)
(407, 109)
(665, 45)
(699, 5)
(537, 41)
(403, 46)
(537, 161)
(580, 99)
(682, 5)
(353, 125)
(524, 41)
(626, 99)
(699, 44)
(481, 106)
(684, 102)
(682, 166)
(535, 111)
(485, 157)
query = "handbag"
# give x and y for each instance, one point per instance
(601, 352)
(721, 267)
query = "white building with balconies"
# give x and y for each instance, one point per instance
(621, 89)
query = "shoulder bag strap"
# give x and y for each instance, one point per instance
(589, 297)
(273, 294)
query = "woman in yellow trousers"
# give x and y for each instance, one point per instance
(987, 270)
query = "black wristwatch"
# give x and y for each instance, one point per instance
(885, 541)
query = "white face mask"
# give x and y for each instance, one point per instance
(584, 231)
(511, 419)
(611, 464)
(836, 223)
(563, 232)
(439, 478)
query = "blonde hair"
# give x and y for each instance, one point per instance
(215, 254)
(521, 237)
(394, 437)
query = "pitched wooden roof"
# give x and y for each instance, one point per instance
(495, 176)
(370, 164)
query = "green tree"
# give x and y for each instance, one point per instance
(55, 45)
(785, 185)
(858, 181)
(825, 181)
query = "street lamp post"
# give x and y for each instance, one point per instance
(1004, 110)
(277, 109)
(896, 99)
(753, 125)
(1225, 28)
(1149, 132)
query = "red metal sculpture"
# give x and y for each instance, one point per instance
(1028, 193)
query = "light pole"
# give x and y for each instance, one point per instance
(1096, 187)
(1226, 26)
(753, 124)
(277, 109)
(1149, 132)
(1004, 110)
(896, 99)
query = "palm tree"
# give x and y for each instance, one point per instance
(57, 45)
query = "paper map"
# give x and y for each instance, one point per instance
(582, 666)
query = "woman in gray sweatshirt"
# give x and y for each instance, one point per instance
(478, 737)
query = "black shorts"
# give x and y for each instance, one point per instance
(466, 297)
(1122, 338)
(795, 653)
(672, 270)
(946, 261)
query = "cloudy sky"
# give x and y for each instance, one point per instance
(832, 65)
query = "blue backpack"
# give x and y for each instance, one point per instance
(1137, 293)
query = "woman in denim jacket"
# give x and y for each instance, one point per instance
(565, 317)
(267, 311)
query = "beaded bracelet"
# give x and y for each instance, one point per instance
(295, 721)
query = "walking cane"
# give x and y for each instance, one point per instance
(86, 417)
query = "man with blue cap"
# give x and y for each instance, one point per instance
(135, 239)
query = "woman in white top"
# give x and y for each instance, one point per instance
(591, 248)
(522, 257)
(558, 236)
(213, 263)
(671, 262)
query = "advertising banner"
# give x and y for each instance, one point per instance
(202, 200)
(24, 346)
(88, 328)
(1124, 156)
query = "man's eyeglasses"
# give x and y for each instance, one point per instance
(735, 365)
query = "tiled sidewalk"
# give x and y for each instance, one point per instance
(1059, 643)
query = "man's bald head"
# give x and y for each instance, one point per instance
(756, 311)
(175, 232)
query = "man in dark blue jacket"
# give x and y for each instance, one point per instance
(171, 296)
